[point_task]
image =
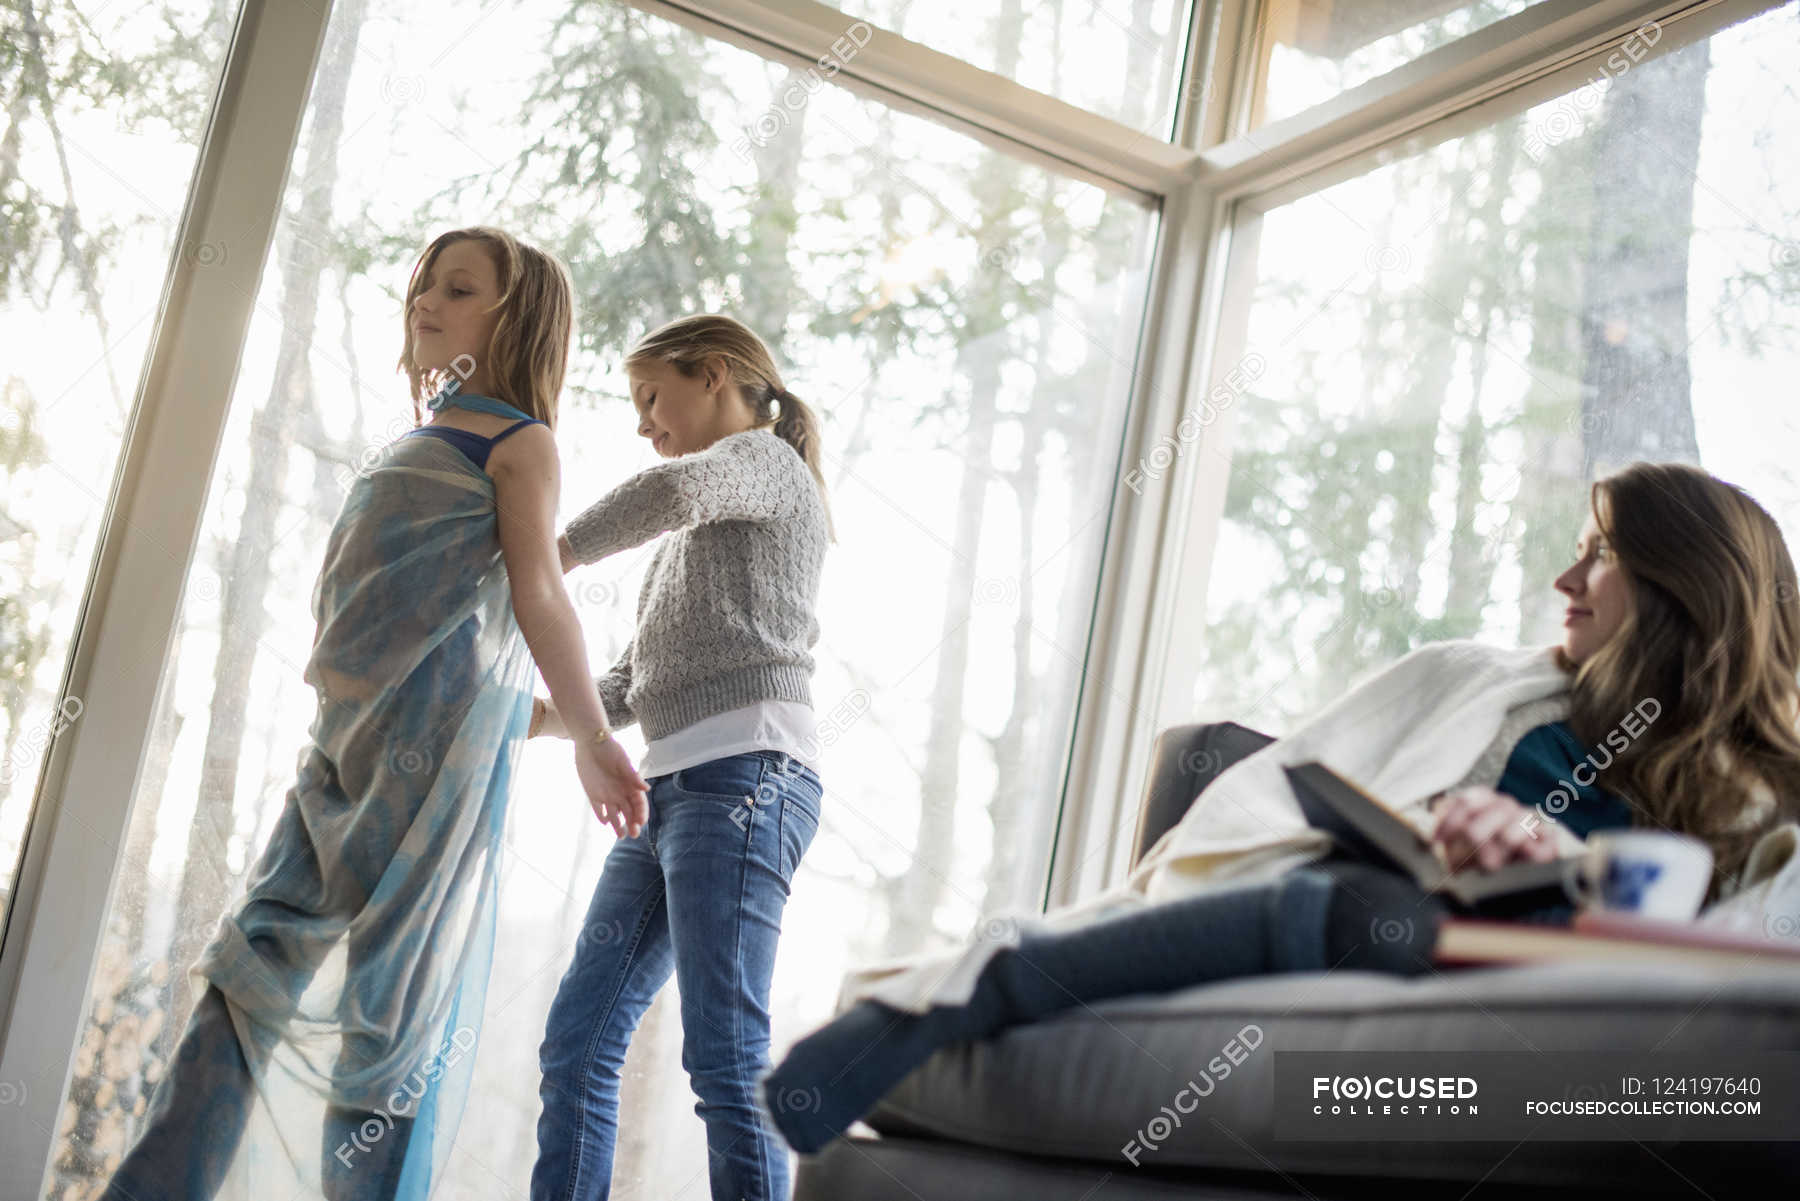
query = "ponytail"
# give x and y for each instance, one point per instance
(796, 424)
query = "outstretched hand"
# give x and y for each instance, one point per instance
(618, 795)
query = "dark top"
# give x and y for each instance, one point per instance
(474, 446)
(1540, 773)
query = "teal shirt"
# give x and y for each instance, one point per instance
(1543, 762)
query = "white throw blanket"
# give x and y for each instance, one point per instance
(1434, 720)
(1405, 733)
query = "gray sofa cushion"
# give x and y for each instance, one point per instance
(1085, 1082)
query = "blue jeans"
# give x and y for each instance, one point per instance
(700, 892)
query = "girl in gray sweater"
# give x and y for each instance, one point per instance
(718, 674)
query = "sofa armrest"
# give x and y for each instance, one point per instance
(1183, 761)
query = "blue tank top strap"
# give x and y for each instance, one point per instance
(513, 429)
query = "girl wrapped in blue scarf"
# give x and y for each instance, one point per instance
(343, 993)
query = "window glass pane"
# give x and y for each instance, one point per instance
(106, 108)
(1310, 50)
(965, 324)
(1119, 58)
(1443, 352)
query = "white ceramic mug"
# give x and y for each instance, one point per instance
(1650, 873)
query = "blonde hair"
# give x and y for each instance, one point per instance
(1712, 632)
(688, 344)
(529, 352)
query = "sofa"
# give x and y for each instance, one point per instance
(1047, 1110)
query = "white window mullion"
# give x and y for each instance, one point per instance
(128, 621)
(1135, 614)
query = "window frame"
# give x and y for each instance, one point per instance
(1209, 187)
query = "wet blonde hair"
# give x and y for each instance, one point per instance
(688, 344)
(529, 352)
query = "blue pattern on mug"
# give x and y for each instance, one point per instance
(1627, 882)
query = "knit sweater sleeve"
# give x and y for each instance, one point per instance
(748, 476)
(613, 687)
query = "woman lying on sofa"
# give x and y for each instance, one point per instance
(1682, 590)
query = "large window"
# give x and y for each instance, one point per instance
(965, 323)
(1307, 51)
(1427, 298)
(1119, 58)
(1445, 350)
(93, 170)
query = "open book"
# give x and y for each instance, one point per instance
(1370, 830)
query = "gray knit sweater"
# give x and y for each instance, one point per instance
(725, 616)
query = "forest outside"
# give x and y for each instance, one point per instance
(965, 323)
(1439, 355)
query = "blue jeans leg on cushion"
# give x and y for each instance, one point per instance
(714, 864)
(835, 1074)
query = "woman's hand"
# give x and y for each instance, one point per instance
(616, 792)
(1487, 829)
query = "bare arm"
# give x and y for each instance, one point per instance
(613, 686)
(527, 481)
(526, 477)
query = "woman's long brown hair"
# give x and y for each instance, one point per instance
(1713, 633)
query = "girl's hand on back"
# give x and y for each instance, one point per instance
(1487, 829)
(617, 793)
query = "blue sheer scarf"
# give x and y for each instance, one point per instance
(355, 967)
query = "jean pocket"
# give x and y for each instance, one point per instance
(730, 779)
